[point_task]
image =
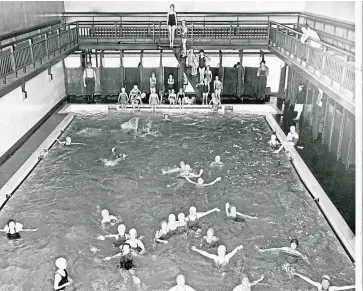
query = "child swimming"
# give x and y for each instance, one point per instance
(136, 244)
(180, 284)
(163, 234)
(217, 162)
(245, 283)
(193, 218)
(187, 172)
(175, 170)
(12, 229)
(232, 214)
(210, 240)
(107, 218)
(172, 223)
(67, 141)
(182, 224)
(222, 258)
(291, 139)
(61, 278)
(200, 182)
(324, 284)
(273, 142)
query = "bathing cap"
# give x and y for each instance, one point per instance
(121, 226)
(172, 217)
(60, 263)
(294, 240)
(180, 280)
(104, 212)
(181, 216)
(326, 277)
(221, 248)
(133, 232)
(192, 209)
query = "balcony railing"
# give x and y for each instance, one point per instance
(19, 55)
(330, 61)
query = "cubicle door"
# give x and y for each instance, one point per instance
(171, 71)
(230, 82)
(132, 77)
(251, 82)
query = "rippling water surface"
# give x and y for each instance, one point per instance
(61, 197)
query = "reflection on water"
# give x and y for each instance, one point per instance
(61, 196)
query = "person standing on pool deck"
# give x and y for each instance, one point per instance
(172, 22)
(245, 283)
(172, 98)
(205, 90)
(180, 284)
(180, 97)
(300, 101)
(89, 81)
(202, 64)
(262, 74)
(171, 82)
(61, 278)
(152, 81)
(325, 284)
(291, 139)
(153, 100)
(200, 182)
(222, 258)
(13, 228)
(123, 99)
(208, 74)
(193, 218)
(218, 88)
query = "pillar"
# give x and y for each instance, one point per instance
(141, 70)
(161, 73)
(240, 75)
(221, 69)
(100, 75)
(122, 69)
(341, 133)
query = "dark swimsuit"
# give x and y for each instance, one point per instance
(126, 262)
(15, 235)
(194, 225)
(238, 219)
(208, 245)
(201, 62)
(166, 236)
(120, 241)
(63, 280)
(171, 20)
(205, 88)
(180, 96)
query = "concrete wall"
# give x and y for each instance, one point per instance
(18, 116)
(184, 6)
(17, 15)
(340, 10)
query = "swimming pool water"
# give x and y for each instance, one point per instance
(61, 196)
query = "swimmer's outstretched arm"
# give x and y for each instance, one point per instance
(232, 253)
(258, 281)
(294, 252)
(203, 253)
(112, 257)
(333, 288)
(60, 142)
(175, 170)
(202, 214)
(157, 238)
(190, 181)
(195, 175)
(316, 284)
(271, 250)
(215, 181)
(246, 216)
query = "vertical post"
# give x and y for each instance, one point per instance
(153, 32)
(344, 73)
(161, 73)
(238, 26)
(31, 52)
(77, 31)
(65, 77)
(332, 126)
(313, 105)
(268, 30)
(116, 31)
(121, 34)
(100, 78)
(230, 33)
(69, 33)
(13, 61)
(350, 147)
(220, 58)
(96, 55)
(159, 32)
(323, 64)
(141, 71)
(341, 132)
(122, 69)
(192, 35)
(325, 116)
(59, 41)
(240, 75)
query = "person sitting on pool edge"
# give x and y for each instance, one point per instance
(325, 284)
(136, 244)
(291, 139)
(222, 258)
(217, 162)
(200, 182)
(107, 218)
(12, 229)
(232, 214)
(245, 283)
(163, 235)
(210, 240)
(180, 284)
(61, 278)
(193, 218)
(291, 250)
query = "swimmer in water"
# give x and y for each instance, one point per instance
(13, 228)
(187, 172)
(273, 142)
(121, 236)
(217, 162)
(182, 223)
(200, 182)
(180, 284)
(61, 278)
(163, 234)
(246, 285)
(193, 218)
(210, 240)
(222, 258)
(172, 223)
(117, 155)
(107, 218)
(324, 284)
(232, 214)
(291, 139)
(166, 118)
(175, 170)
(291, 250)
(136, 244)
(67, 141)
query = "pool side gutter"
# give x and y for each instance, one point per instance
(328, 209)
(17, 179)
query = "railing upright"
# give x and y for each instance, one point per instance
(13, 62)
(192, 36)
(153, 32)
(323, 63)
(31, 52)
(344, 73)
(159, 32)
(58, 40)
(230, 32)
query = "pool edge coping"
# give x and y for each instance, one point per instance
(9, 188)
(326, 206)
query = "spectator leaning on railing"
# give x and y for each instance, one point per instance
(312, 34)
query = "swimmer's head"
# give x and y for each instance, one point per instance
(180, 90)
(192, 210)
(125, 249)
(182, 164)
(123, 90)
(183, 22)
(217, 78)
(233, 210)
(294, 243)
(153, 74)
(11, 223)
(181, 217)
(172, 91)
(213, 95)
(61, 263)
(325, 282)
(172, 7)
(201, 52)
(210, 232)
(180, 280)
(133, 233)
(273, 137)
(221, 250)
(68, 140)
(292, 129)
(135, 87)
(89, 65)
(217, 159)
(245, 280)
(121, 229)
(170, 76)
(172, 218)
(164, 225)
(105, 213)
(263, 63)
(166, 117)
(187, 167)
(200, 181)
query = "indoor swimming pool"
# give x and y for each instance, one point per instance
(64, 194)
